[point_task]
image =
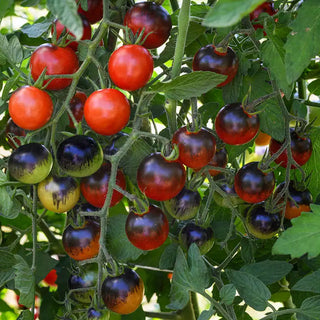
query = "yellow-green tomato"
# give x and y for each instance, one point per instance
(59, 194)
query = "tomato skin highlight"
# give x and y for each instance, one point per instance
(57, 61)
(208, 59)
(94, 188)
(30, 163)
(94, 12)
(130, 67)
(30, 108)
(160, 179)
(195, 148)
(107, 111)
(13, 132)
(152, 18)
(147, 231)
(123, 293)
(58, 194)
(235, 126)
(252, 185)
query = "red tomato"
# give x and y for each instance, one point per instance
(94, 11)
(266, 7)
(86, 35)
(95, 187)
(57, 60)
(13, 132)
(51, 278)
(220, 159)
(76, 106)
(107, 111)
(130, 67)
(195, 148)
(30, 108)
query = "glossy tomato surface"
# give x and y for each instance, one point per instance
(123, 293)
(130, 67)
(30, 163)
(57, 61)
(160, 179)
(192, 233)
(30, 108)
(107, 111)
(13, 132)
(147, 231)
(82, 243)
(58, 194)
(94, 188)
(220, 159)
(209, 59)
(185, 205)
(154, 19)
(235, 126)
(301, 149)
(195, 148)
(51, 278)
(252, 185)
(262, 224)
(79, 156)
(76, 106)
(93, 12)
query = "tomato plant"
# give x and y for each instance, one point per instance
(13, 132)
(266, 7)
(220, 159)
(77, 106)
(93, 12)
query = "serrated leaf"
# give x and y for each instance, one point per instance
(206, 314)
(15, 50)
(310, 309)
(227, 293)
(303, 42)
(9, 206)
(252, 290)
(168, 256)
(190, 85)
(226, 13)
(66, 13)
(261, 270)
(37, 29)
(303, 237)
(309, 283)
(6, 276)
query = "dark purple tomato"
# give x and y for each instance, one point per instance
(123, 293)
(231, 199)
(301, 149)
(81, 243)
(79, 156)
(13, 132)
(93, 12)
(160, 179)
(147, 231)
(220, 160)
(154, 19)
(252, 184)
(235, 126)
(195, 148)
(209, 59)
(185, 205)
(192, 233)
(262, 224)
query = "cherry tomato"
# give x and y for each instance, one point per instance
(94, 188)
(262, 139)
(58, 194)
(123, 293)
(107, 111)
(76, 106)
(232, 197)
(94, 12)
(235, 126)
(51, 278)
(252, 185)
(147, 231)
(160, 179)
(86, 35)
(30, 163)
(220, 159)
(185, 205)
(298, 200)
(130, 67)
(266, 7)
(153, 19)
(209, 59)
(82, 243)
(301, 149)
(79, 156)
(56, 60)
(195, 148)
(13, 132)
(30, 108)
(192, 233)
(262, 224)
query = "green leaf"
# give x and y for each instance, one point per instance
(303, 237)
(15, 50)
(26, 315)
(7, 261)
(206, 314)
(252, 290)
(314, 87)
(37, 29)
(227, 293)
(66, 13)
(6, 276)
(309, 283)
(4, 6)
(168, 256)
(190, 85)
(310, 309)
(303, 41)
(227, 13)
(9, 206)
(261, 270)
